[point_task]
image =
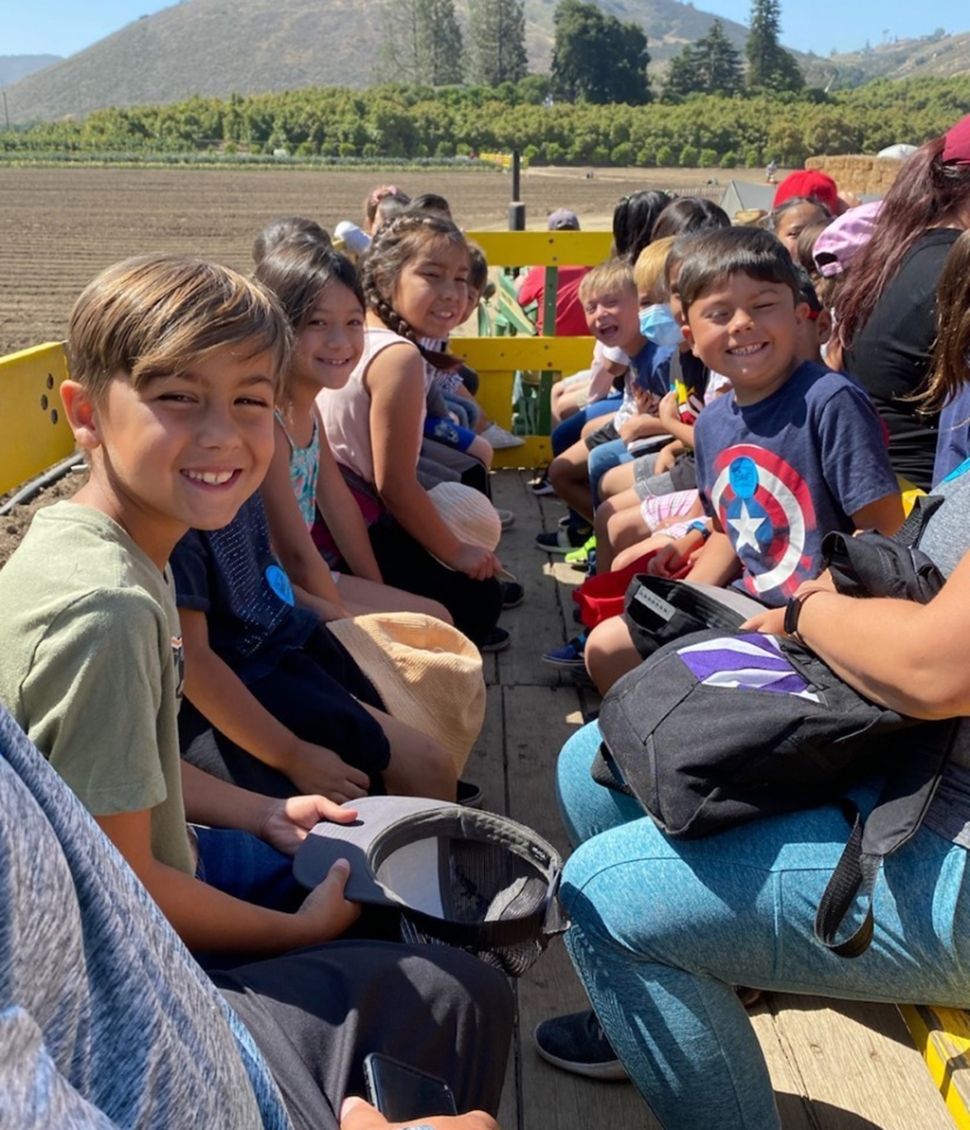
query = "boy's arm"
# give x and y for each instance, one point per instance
(717, 563)
(223, 699)
(344, 519)
(885, 515)
(208, 920)
(282, 823)
(290, 537)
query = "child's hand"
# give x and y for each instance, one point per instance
(287, 822)
(666, 562)
(329, 611)
(316, 769)
(475, 561)
(325, 913)
(669, 410)
(666, 458)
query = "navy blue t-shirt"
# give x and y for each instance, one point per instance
(233, 577)
(782, 473)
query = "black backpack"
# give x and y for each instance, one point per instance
(714, 730)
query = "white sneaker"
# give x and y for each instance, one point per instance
(507, 517)
(499, 437)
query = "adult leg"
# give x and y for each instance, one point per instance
(661, 931)
(475, 606)
(315, 1014)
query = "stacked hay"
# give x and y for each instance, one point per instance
(857, 173)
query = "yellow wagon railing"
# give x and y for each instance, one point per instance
(34, 434)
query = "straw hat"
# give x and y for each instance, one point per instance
(467, 513)
(427, 673)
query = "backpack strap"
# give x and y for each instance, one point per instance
(903, 802)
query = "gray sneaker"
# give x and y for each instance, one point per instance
(577, 1043)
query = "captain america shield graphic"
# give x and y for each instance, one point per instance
(765, 508)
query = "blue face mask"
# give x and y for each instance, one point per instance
(657, 323)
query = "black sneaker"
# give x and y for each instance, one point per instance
(469, 794)
(512, 594)
(540, 485)
(564, 539)
(498, 639)
(577, 1043)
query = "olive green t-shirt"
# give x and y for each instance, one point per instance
(90, 667)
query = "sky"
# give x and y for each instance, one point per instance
(61, 27)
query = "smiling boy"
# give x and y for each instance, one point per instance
(174, 371)
(796, 450)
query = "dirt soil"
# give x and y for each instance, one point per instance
(59, 227)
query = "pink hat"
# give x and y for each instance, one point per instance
(957, 147)
(811, 184)
(844, 238)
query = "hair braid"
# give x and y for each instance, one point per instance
(393, 246)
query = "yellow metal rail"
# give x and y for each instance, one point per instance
(33, 431)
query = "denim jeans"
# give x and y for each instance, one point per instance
(245, 867)
(570, 431)
(662, 930)
(604, 458)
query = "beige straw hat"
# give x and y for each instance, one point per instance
(427, 673)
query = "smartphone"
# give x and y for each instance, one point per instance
(404, 1094)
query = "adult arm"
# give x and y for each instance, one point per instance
(290, 537)
(909, 657)
(207, 919)
(223, 699)
(395, 381)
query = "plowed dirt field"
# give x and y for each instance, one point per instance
(59, 227)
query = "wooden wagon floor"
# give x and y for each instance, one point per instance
(835, 1065)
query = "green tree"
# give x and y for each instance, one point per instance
(422, 41)
(711, 65)
(769, 65)
(596, 58)
(496, 47)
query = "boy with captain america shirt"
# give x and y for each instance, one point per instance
(796, 450)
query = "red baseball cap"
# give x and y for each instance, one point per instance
(811, 184)
(957, 139)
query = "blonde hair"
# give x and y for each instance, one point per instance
(157, 315)
(648, 272)
(614, 274)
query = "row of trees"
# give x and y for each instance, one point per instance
(423, 42)
(596, 57)
(408, 122)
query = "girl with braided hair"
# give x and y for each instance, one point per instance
(414, 277)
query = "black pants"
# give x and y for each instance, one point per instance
(313, 691)
(475, 606)
(314, 1014)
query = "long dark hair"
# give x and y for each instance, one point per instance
(394, 245)
(633, 220)
(950, 368)
(925, 193)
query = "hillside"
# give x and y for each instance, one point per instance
(15, 67)
(267, 45)
(194, 47)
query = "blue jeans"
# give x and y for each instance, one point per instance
(570, 431)
(604, 458)
(245, 867)
(662, 930)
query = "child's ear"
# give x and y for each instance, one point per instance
(688, 336)
(82, 415)
(802, 310)
(824, 324)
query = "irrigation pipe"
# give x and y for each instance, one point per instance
(35, 486)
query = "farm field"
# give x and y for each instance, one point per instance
(60, 226)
